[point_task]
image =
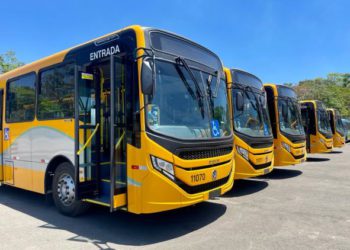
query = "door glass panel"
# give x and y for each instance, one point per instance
(87, 126)
(102, 128)
(119, 127)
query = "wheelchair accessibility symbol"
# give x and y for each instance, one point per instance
(6, 134)
(215, 128)
(266, 130)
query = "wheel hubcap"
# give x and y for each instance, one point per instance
(66, 189)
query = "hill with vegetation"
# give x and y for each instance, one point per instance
(333, 91)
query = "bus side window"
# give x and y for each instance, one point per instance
(20, 98)
(56, 93)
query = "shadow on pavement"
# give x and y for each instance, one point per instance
(281, 173)
(316, 159)
(335, 152)
(99, 227)
(246, 187)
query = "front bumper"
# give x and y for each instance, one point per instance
(245, 169)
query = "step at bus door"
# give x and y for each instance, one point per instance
(87, 135)
(118, 169)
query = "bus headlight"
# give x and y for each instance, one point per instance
(286, 146)
(164, 167)
(322, 141)
(243, 152)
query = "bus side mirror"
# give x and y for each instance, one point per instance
(239, 101)
(148, 77)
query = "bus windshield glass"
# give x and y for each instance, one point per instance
(177, 109)
(252, 119)
(289, 120)
(323, 122)
(339, 126)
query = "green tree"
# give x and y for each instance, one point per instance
(334, 91)
(9, 61)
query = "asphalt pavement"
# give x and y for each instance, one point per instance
(305, 206)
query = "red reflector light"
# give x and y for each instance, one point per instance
(135, 167)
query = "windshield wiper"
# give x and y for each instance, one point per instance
(198, 90)
(217, 85)
(250, 99)
(292, 105)
(193, 78)
(257, 106)
(187, 85)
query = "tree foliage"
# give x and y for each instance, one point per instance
(334, 91)
(9, 61)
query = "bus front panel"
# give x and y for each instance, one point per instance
(186, 153)
(317, 127)
(288, 131)
(289, 153)
(151, 190)
(337, 126)
(252, 162)
(253, 142)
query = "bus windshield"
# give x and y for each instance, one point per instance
(178, 110)
(290, 121)
(253, 119)
(323, 122)
(339, 126)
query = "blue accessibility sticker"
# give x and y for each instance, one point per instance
(6, 134)
(215, 128)
(266, 129)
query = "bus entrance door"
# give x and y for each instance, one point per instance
(88, 132)
(101, 153)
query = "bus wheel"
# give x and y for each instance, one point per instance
(63, 189)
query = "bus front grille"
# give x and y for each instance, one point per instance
(297, 157)
(204, 153)
(203, 187)
(261, 166)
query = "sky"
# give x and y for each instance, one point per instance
(278, 41)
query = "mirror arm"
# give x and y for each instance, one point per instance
(147, 53)
(154, 75)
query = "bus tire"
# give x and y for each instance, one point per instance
(63, 191)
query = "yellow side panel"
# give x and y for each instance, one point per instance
(38, 181)
(8, 174)
(1, 151)
(23, 178)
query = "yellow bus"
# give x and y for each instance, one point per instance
(253, 136)
(136, 120)
(316, 126)
(287, 128)
(338, 129)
